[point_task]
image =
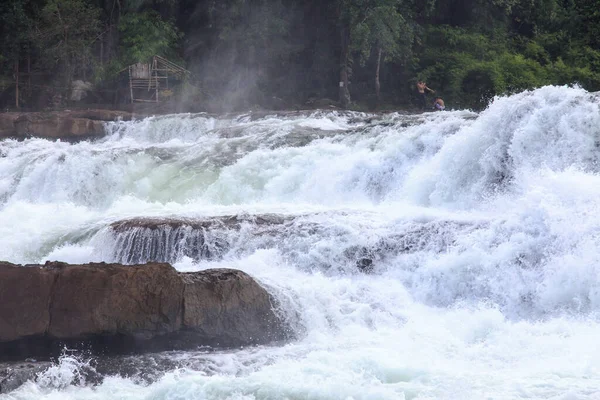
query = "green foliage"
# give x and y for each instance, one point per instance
(65, 34)
(380, 25)
(14, 28)
(258, 29)
(255, 50)
(146, 34)
(468, 68)
(133, 6)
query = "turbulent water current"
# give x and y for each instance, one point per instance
(451, 255)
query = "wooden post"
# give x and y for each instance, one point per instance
(130, 85)
(29, 74)
(377, 83)
(17, 82)
(154, 66)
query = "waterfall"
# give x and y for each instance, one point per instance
(449, 255)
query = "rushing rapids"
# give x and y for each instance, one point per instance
(448, 255)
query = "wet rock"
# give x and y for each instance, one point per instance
(141, 301)
(140, 240)
(115, 309)
(24, 288)
(433, 237)
(66, 125)
(7, 124)
(229, 221)
(15, 374)
(245, 318)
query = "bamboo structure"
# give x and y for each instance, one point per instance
(152, 77)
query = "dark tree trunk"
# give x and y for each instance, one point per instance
(17, 82)
(377, 84)
(29, 75)
(344, 68)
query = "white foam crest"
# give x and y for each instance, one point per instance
(182, 127)
(98, 173)
(409, 351)
(387, 346)
(68, 371)
(498, 297)
(190, 128)
(357, 168)
(438, 158)
(551, 127)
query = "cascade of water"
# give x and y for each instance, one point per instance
(442, 255)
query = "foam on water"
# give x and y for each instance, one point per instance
(482, 234)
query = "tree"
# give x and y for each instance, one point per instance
(349, 13)
(366, 25)
(384, 30)
(146, 34)
(15, 36)
(66, 32)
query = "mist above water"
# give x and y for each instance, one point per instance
(442, 255)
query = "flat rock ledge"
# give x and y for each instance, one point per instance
(124, 309)
(65, 125)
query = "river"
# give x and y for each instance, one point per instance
(450, 255)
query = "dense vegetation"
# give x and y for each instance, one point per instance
(286, 53)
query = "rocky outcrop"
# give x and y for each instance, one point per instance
(64, 125)
(226, 323)
(24, 289)
(15, 374)
(433, 237)
(140, 301)
(228, 221)
(140, 240)
(112, 308)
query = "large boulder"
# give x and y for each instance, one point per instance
(142, 301)
(113, 308)
(245, 318)
(25, 294)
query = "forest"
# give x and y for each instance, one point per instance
(290, 54)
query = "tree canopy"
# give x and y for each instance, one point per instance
(362, 54)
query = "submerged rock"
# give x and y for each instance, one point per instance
(117, 309)
(229, 221)
(15, 374)
(140, 240)
(433, 237)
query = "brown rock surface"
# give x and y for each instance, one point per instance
(67, 125)
(166, 239)
(117, 308)
(228, 221)
(24, 289)
(55, 126)
(245, 317)
(141, 300)
(7, 124)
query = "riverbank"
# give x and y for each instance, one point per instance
(68, 125)
(77, 125)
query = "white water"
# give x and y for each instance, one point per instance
(484, 231)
